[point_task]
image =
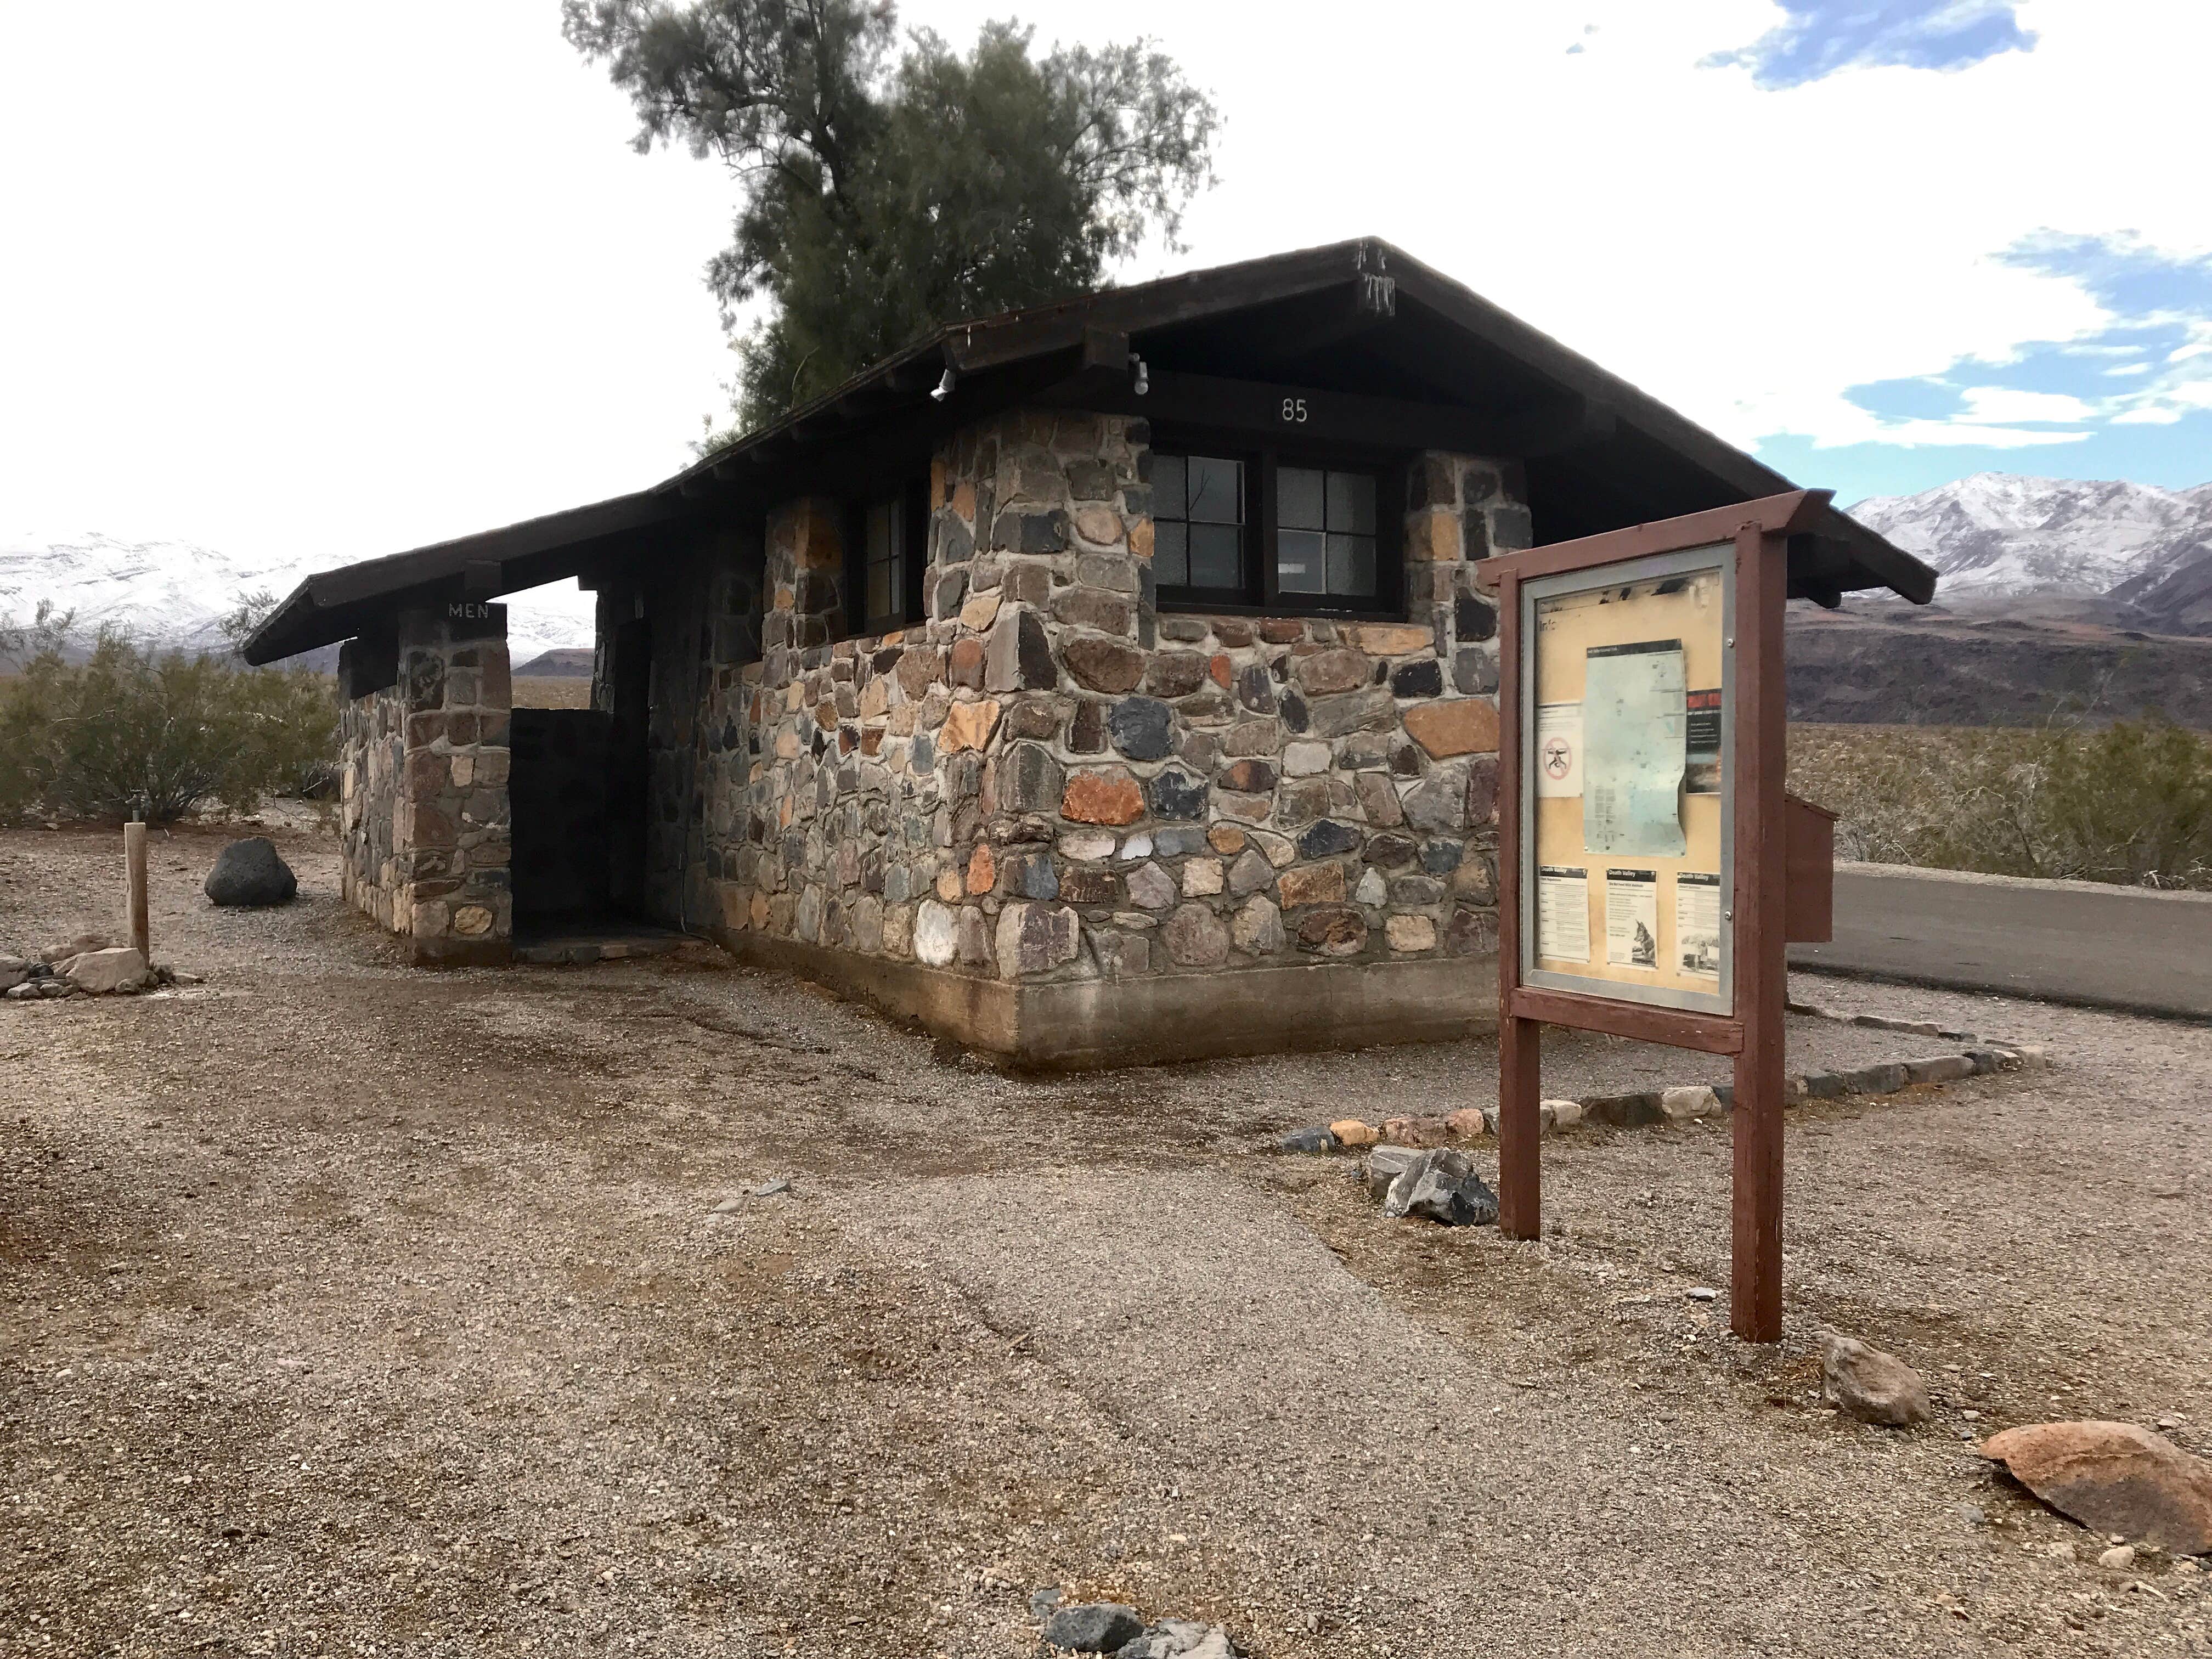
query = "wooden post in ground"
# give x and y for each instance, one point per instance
(1761, 971)
(134, 868)
(1520, 1042)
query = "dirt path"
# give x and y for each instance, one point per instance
(342, 1305)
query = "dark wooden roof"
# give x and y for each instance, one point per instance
(1373, 331)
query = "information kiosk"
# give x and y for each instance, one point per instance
(1644, 839)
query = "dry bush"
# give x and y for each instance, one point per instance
(128, 732)
(2130, 802)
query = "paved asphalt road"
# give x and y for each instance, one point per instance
(2110, 947)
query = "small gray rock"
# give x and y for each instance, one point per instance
(1043, 1601)
(13, 970)
(250, 872)
(1315, 1139)
(1873, 1386)
(1094, 1627)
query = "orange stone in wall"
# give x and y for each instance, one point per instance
(1105, 797)
(1459, 725)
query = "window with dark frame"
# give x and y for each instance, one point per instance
(1259, 531)
(891, 545)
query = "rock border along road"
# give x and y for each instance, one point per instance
(2082, 943)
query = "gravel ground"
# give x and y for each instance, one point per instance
(345, 1308)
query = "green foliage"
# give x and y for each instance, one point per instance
(886, 195)
(2130, 802)
(128, 733)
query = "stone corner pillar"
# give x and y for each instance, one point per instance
(452, 895)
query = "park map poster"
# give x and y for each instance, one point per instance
(1625, 780)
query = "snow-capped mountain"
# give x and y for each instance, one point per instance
(175, 594)
(2146, 554)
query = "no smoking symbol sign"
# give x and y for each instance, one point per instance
(1559, 759)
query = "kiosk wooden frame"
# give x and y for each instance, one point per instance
(1748, 1026)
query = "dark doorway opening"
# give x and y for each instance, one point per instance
(577, 799)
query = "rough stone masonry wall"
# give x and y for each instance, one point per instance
(423, 793)
(1048, 781)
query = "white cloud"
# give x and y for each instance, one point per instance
(2129, 368)
(427, 287)
(1999, 404)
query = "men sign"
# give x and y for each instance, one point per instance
(1643, 828)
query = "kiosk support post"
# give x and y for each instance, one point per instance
(1520, 1042)
(1762, 577)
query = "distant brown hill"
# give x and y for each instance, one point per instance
(567, 662)
(1898, 665)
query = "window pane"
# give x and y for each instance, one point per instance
(1352, 503)
(1217, 490)
(1351, 566)
(1170, 552)
(1167, 487)
(880, 522)
(879, 589)
(1298, 560)
(1216, 556)
(1298, 497)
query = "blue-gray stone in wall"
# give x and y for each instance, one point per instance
(1143, 728)
(1176, 794)
(1327, 838)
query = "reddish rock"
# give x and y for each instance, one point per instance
(1104, 665)
(1467, 1123)
(967, 726)
(983, 869)
(1249, 777)
(1174, 674)
(1106, 796)
(1338, 670)
(1312, 884)
(1461, 725)
(1421, 1131)
(1332, 932)
(965, 665)
(1276, 630)
(918, 670)
(1083, 884)
(2114, 1477)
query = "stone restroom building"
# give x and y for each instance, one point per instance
(1097, 683)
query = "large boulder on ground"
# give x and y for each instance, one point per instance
(13, 970)
(100, 972)
(2114, 1477)
(1873, 1386)
(251, 871)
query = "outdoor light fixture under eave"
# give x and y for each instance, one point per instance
(943, 389)
(1140, 379)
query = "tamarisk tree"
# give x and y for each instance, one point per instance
(891, 184)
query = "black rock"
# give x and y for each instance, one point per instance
(1143, 728)
(1094, 1627)
(1176, 795)
(250, 871)
(1316, 1138)
(1441, 1186)
(1326, 837)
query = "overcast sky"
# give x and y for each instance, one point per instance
(310, 282)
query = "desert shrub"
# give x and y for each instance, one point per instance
(130, 732)
(2129, 802)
